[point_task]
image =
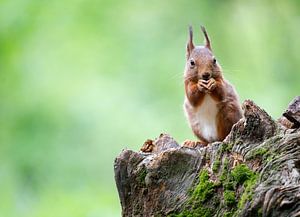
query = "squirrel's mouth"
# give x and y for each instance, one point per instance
(206, 76)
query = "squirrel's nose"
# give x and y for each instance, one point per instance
(206, 76)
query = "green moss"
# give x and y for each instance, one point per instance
(228, 184)
(248, 192)
(241, 173)
(260, 152)
(141, 176)
(204, 200)
(226, 147)
(216, 166)
(199, 212)
(223, 177)
(228, 214)
(226, 164)
(229, 197)
(205, 188)
(246, 177)
(196, 205)
(226, 178)
(259, 212)
(270, 157)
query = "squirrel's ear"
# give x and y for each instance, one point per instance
(207, 41)
(190, 45)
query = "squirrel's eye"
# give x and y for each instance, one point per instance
(192, 62)
(214, 61)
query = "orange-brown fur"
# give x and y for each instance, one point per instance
(203, 79)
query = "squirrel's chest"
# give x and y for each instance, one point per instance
(204, 118)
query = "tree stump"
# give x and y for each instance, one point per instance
(253, 172)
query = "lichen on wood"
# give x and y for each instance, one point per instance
(255, 171)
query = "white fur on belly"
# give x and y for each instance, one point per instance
(204, 117)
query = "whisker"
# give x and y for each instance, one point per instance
(186, 78)
(176, 75)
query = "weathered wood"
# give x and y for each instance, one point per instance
(156, 183)
(293, 112)
(255, 171)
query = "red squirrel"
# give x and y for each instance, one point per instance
(211, 103)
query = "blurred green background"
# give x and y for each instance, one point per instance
(81, 80)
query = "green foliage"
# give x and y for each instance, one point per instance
(205, 196)
(226, 177)
(205, 188)
(202, 192)
(246, 177)
(228, 214)
(228, 184)
(260, 152)
(229, 197)
(249, 184)
(141, 176)
(241, 173)
(226, 147)
(198, 212)
(216, 166)
(259, 212)
(226, 165)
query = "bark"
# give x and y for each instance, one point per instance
(253, 172)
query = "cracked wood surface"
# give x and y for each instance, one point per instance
(158, 180)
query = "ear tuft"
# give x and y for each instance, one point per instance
(190, 45)
(207, 41)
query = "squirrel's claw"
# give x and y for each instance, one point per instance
(211, 84)
(202, 85)
(193, 144)
(207, 85)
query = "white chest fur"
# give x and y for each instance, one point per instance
(203, 118)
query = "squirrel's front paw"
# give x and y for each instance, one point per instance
(211, 84)
(192, 144)
(202, 85)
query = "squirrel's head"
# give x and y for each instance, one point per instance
(201, 63)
